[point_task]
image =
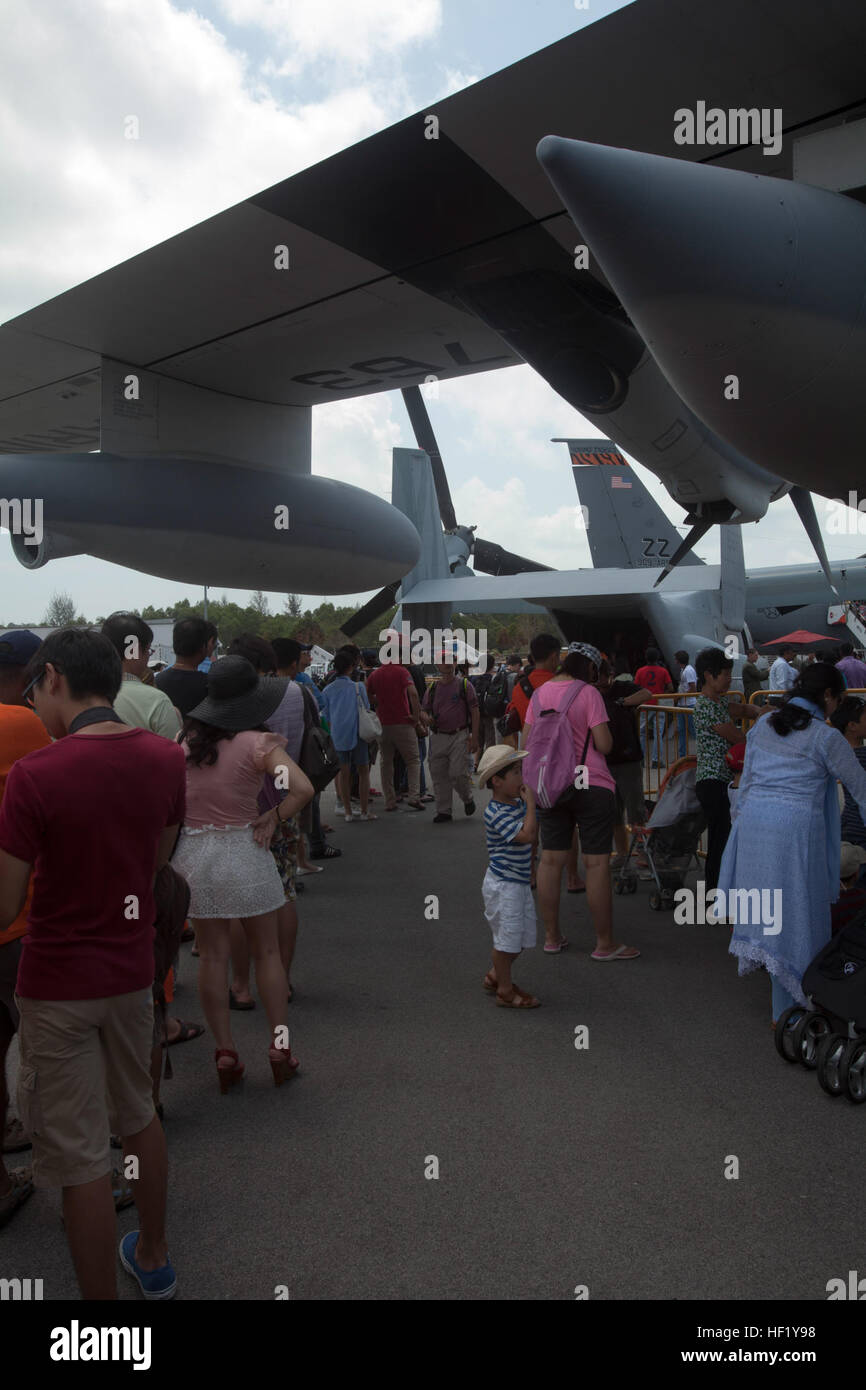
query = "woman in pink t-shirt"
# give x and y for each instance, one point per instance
(589, 805)
(223, 850)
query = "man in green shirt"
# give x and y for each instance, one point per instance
(753, 676)
(142, 706)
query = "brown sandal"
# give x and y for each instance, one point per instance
(519, 1000)
(490, 983)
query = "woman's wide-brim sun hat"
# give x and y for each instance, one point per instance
(237, 696)
(496, 758)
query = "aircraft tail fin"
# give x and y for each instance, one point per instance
(625, 526)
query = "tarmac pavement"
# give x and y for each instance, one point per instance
(557, 1167)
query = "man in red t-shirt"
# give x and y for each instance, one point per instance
(393, 695)
(20, 732)
(95, 815)
(544, 650)
(655, 677)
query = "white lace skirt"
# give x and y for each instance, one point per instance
(229, 875)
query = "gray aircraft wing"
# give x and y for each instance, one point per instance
(609, 593)
(388, 244)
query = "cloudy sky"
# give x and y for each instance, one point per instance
(233, 96)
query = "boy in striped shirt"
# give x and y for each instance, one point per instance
(509, 820)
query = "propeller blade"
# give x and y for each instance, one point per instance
(379, 603)
(492, 559)
(698, 531)
(426, 440)
(805, 509)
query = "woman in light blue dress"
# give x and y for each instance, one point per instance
(786, 833)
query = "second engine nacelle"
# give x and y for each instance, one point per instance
(33, 554)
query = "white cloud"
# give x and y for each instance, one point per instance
(504, 516)
(352, 442)
(348, 31)
(78, 196)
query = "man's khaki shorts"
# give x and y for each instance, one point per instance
(84, 1074)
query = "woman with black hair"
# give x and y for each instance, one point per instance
(223, 851)
(785, 837)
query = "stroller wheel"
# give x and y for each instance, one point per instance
(785, 1031)
(808, 1034)
(631, 884)
(852, 1071)
(655, 901)
(830, 1051)
(667, 897)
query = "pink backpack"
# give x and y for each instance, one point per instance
(550, 767)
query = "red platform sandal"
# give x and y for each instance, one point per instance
(283, 1065)
(228, 1076)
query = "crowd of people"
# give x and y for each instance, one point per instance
(196, 814)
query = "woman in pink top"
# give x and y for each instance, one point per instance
(589, 805)
(223, 849)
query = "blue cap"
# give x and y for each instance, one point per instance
(16, 648)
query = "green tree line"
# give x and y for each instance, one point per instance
(322, 625)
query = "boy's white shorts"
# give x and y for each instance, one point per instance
(510, 911)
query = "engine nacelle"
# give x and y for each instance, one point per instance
(34, 554)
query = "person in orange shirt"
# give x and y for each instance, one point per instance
(544, 650)
(21, 731)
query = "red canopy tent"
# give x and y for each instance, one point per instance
(800, 638)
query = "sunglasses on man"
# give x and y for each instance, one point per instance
(25, 693)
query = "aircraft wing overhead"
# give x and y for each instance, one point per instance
(389, 240)
(608, 592)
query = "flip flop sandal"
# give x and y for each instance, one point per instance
(489, 985)
(554, 950)
(236, 1004)
(188, 1031)
(621, 953)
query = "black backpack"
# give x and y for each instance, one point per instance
(482, 691)
(498, 695)
(318, 755)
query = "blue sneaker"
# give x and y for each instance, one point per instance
(154, 1283)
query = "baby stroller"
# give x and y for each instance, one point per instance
(669, 839)
(829, 1036)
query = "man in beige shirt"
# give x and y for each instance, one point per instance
(142, 706)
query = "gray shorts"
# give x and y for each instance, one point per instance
(10, 954)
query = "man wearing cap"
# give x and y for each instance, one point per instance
(21, 731)
(302, 675)
(452, 706)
